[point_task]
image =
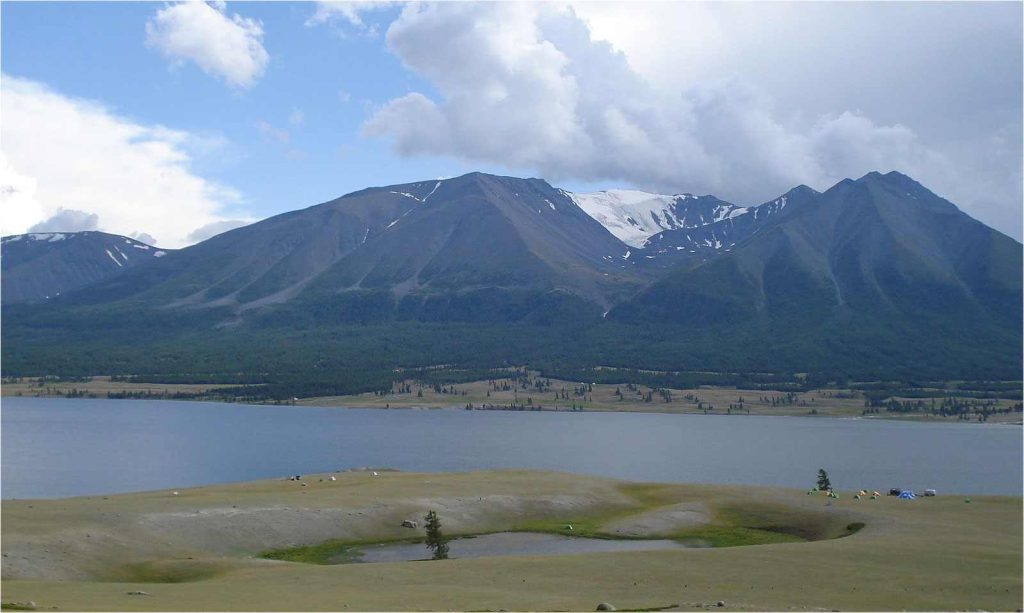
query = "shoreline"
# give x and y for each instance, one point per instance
(378, 471)
(368, 401)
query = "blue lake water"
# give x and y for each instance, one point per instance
(63, 447)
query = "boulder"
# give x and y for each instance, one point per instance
(604, 606)
(408, 523)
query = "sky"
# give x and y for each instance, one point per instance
(172, 122)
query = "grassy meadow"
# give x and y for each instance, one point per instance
(207, 548)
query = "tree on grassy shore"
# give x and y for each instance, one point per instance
(436, 542)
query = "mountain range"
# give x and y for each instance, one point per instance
(37, 267)
(879, 261)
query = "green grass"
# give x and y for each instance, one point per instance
(735, 536)
(943, 555)
(335, 551)
(732, 526)
(16, 606)
(166, 571)
(854, 528)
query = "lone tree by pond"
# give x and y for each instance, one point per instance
(436, 542)
(823, 483)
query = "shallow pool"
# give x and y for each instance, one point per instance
(513, 544)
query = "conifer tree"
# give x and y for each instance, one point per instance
(823, 483)
(436, 542)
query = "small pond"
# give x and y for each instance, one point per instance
(510, 544)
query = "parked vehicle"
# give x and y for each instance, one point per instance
(929, 492)
(895, 491)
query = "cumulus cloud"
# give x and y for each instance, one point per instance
(68, 220)
(214, 228)
(142, 237)
(230, 47)
(62, 153)
(528, 86)
(18, 196)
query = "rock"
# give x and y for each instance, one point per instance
(720, 603)
(138, 593)
(604, 606)
(408, 523)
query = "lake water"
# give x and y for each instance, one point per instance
(63, 447)
(513, 544)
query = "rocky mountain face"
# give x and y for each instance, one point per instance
(41, 267)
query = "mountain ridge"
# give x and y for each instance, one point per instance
(518, 268)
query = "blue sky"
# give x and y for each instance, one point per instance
(325, 156)
(246, 110)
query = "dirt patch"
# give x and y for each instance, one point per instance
(664, 521)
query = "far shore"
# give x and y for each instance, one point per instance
(561, 396)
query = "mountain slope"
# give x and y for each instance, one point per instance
(724, 234)
(472, 233)
(881, 252)
(39, 267)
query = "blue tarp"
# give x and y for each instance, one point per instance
(907, 495)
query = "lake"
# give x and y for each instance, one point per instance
(55, 447)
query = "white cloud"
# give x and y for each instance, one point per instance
(214, 228)
(269, 131)
(68, 220)
(531, 87)
(228, 47)
(297, 117)
(350, 12)
(60, 153)
(142, 237)
(20, 208)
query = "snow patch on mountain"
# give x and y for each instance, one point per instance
(119, 264)
(635, 216)
(631, 216)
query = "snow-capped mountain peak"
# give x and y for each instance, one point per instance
(634, 216)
